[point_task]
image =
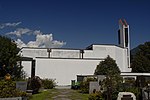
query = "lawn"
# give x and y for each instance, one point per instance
(52, 94)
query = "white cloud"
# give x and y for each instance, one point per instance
(9, 25)
(36, 32)
(20, 31)
(12, 24)
(45, 40)
(42, 40)
(20, 43)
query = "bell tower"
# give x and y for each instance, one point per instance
(123, 37)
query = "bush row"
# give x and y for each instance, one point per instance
(48, 83)
(36, 83)
(8, 87)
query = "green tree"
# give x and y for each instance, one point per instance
(107, 67)
(8, 57)
(113, 79)
(141, 60)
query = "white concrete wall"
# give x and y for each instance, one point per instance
(27, 68)
(34, 52)
(122, 59)
(69, 63)
(101, 52)
(64, 70)
(55, 53)
(117, 53)
(65, 53)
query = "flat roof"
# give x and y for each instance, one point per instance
(134, 74)
(87, 48)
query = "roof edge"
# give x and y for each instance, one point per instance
(87, 48)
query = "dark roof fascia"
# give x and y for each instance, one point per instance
(25, 59)
(86, 75)
(52, 48)
(106, 45)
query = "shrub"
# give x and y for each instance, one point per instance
(134, 90)
(84, 86)
(8, 89)
(95, 96)
(130, 81)
(48, 83)
(34, 84)
(128, 88)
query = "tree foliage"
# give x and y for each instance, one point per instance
(34, 84)
(107, 67)
(8, 57)
(113, 79)
(141, 60)
(48, 83)
(8, 89)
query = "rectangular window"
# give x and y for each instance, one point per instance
(119, 37)
(126, 37)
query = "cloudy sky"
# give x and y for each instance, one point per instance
(73, 23)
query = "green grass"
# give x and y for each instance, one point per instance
(44, 95)
(76, 95)
(50, 93)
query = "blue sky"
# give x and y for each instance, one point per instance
(79, 23)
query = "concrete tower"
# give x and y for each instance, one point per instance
(123, 38)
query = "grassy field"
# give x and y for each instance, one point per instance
(59, 94)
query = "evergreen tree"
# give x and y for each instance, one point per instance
(113, 79)
(107, 67)
(141, 60)
(8, 57)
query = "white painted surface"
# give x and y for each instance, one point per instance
(65, 53)
(120, 95)
(135, 74)
(27, 68)
(34, 52)
(94, 86)
(64, 70)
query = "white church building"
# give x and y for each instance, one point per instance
(63, 64)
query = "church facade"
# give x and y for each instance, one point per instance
(63, 64)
